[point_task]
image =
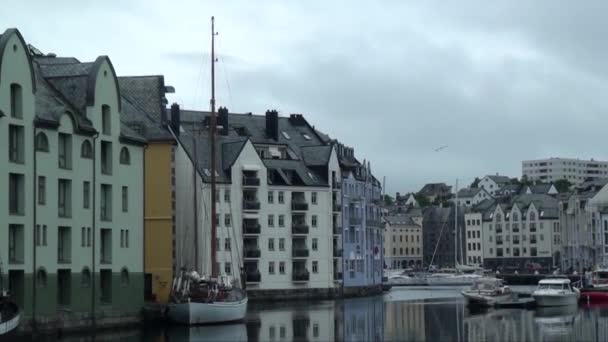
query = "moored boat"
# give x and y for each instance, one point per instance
(452, 279)
(487, 292)
(555, 292)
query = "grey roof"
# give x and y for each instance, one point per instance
(316, 155)
(468, 192)
(435, 189)
(538, 188)
(401, 220)
(500, 180)
(543, 203)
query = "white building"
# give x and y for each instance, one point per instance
(574, 170)
(469, 197)
(71, 223)
(473, 230)
(493, 183)
(277, 200)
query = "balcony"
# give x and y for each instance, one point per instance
(499, 242)
(253, 276)
(252, 252)
(337, 253)
(299, 228)
(337, 229)
(301, 275)
(532, 241)
(251, 181)
(354, 221)
(299, 205)
(300, 252)
(251, 204)
(251, 227)
(337, 208)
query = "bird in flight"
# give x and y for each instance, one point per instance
(441, 148)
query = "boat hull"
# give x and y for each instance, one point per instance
(10, 324)
(594, 296)
(192, 313)
(555, 300)
(481, 300)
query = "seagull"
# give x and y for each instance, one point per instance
(441, 148)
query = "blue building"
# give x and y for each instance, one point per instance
(361, 222)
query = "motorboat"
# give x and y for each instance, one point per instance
(198, 300)
(406, 279)
(597, 289)
(555, 292)
(488, 292)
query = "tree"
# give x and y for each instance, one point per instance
(562, 185)
(525, 180)
(422, 200)
(475, 183)
(388, 200)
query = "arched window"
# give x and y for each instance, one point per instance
(86, 150)
(515, 217)
(41, 277)
(125, 157)
(42, 142)
(498, 217)
(16, 101)
(124, 277)
(85, 279)
(532, 216)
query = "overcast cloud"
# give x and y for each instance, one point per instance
(498, 82)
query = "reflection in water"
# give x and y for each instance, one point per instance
(390, 318)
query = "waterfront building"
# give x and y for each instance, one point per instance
(403, 241)
(574, 170)
(71, 224)
(469, 197)
(278, 200)
(438, 245)
(436, 191)
(521, 233)
(473, 220)
(361, 222)
(493, 183)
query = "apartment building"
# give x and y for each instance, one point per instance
(277, 200)
(71, 223)
(574, 170)
(438, 236)
(522, 233)
(403, 241)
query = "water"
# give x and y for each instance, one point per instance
(403, 314)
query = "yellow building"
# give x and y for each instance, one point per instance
(144, 101)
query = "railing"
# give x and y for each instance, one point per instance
(301, 275)
(251, 181)
(299, 228)
(354, 221)
(300, 252)
(251, 228)
(252, 252)
(253, 277)
(251, 205)
(299, 205)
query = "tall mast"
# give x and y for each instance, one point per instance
(456, 227)
(214, 270)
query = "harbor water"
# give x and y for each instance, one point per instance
(402, 314)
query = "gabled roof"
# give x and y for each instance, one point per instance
(435, 189)
(537, 188)
(469, 192)
(500, 180)
(316, 155)
(401, 220)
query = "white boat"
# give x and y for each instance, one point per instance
(406, 279)
(555, 292)
(487, 292)
(197, 300)
(10, 316)
(452, 279)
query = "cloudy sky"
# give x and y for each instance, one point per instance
(497, 81)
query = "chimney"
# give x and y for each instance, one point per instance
(175, 120)
(272, 124)
(297, 120)
(223, 120)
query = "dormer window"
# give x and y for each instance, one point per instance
(285, 135)
(306, 136)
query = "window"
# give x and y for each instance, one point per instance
(533, 251)
(105, 117)
(88, 236)
(65, 151)
(281, 197)
(313, 197)
(85, 277)
(42, 142)
(16, 244)
(271, 332)
(271, 267)
(282, 267)
(270, 197)
(227, 222)
(86, 195)
(270, 220)
(217, 196)
(281, 220)
(227, 244)
(314, 221)
(64, 243)
(227, 195)
(217, 244)
(271, 244)
(281, 244)
(16, 101)
(106, 202)
(41, 278)
(16, 144)
(228, 268)
(86, 150)
(41, 190)
(83, 237)
(315, 243)
(125, 199)
(44, 234)
(64, 202)
(315, 267)
(106, 157)
(125, 157)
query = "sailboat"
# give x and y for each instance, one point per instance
(199, 299)
(9, 310)
(462, 275)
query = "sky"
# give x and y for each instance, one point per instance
(497, 82)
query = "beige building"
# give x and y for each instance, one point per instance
(403, 241)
